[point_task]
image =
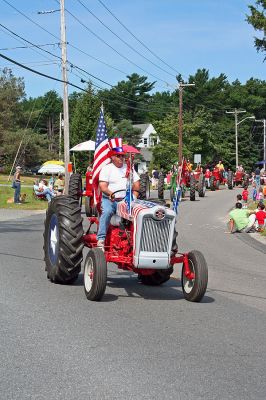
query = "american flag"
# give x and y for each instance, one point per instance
(101, 155)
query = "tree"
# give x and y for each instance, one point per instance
(258, 20)
(127, 132)
(128, 99)
(11, 93)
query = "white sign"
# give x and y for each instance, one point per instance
(197, 158)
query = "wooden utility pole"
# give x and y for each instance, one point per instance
(180, 120)
(65, 96)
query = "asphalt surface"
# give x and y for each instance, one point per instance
(139, 342)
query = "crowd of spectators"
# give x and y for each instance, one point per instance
(47, 190)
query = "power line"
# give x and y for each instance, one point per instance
(122, 40)
(111, 47)
(143, 44)
(28, 47)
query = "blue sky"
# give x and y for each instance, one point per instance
(186, 34)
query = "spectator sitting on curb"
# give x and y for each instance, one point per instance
(241, 220)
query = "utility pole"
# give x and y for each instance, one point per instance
(236, 112)
(180, 120)
(264, 140)
(60, 136)
(65, 93)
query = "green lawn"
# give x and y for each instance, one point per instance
(31, 203)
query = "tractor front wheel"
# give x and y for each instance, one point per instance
(195, 288)
(157, 278)
(63, 240)
(90, 211)
(95, 274)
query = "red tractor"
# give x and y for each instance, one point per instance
(240, 178)
(189, 180)
(217, 178)
(141, 239)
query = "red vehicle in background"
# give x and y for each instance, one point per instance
(241, 178)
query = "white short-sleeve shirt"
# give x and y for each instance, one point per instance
(116, 178)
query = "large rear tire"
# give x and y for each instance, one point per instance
(157, 278)
(144, 190)
(230, 180)
(161, 187)
(194, 289)
(90, 211)
(75, 187)
(201, 185)
(192, 194)
(95, 274)
(63, 240)
(245, 180)
(212, 183)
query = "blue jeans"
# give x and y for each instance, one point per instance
(17, 193)
(47, 193)
(108, 209)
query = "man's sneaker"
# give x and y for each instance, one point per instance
(100, 244)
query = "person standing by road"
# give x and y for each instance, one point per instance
(17, 185)
(245, 195)
(257, 176)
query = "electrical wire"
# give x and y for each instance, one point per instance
(122, 40)
(111, 47)
(135, 37)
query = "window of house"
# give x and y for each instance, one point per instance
(145, 141)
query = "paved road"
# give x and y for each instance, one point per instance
(139, 342)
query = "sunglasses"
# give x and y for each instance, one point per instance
(120, 155)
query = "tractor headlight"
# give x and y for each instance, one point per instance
(159, 214)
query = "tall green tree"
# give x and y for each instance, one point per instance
(257, 19)
(127, 132)
(128, 99)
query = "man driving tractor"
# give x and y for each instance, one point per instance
(113, 179)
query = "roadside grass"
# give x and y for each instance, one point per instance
(27, 180)
(30, 203)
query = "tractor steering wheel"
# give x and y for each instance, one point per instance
(122, 190)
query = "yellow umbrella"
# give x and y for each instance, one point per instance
(55, 162)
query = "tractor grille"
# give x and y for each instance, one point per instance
(155, 235)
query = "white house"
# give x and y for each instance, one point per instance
(148, 140)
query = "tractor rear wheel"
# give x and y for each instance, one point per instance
(201, 185)
(192, 188)
(230, 180)
(245, 180)
(144, 190)
(63, 240)
(95, 274)
(75, 187)
(157, 278)
(212, 183)
(161, 187)
(194, 289)
(90, 211)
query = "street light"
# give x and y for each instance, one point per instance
(236, 112)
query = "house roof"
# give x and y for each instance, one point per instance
(142, 127)
(146, 154)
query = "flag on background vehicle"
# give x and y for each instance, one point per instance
(176, 199)
(101, 155)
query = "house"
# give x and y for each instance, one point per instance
(148, 139)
